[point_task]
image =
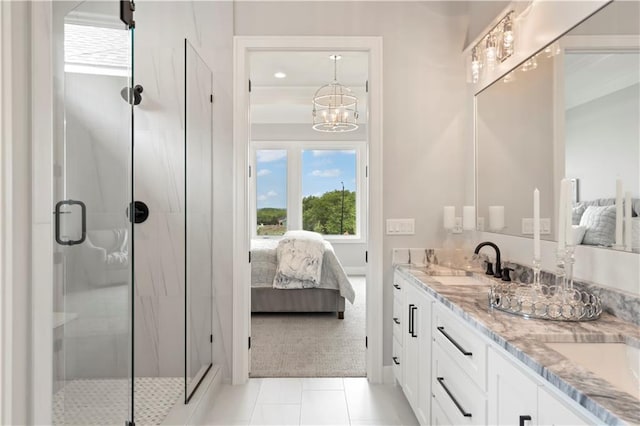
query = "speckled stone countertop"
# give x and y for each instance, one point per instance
(525, 339)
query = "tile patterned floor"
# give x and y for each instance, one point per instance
(310, 401)
(106, 401)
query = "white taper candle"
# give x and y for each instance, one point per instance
(619, 213)
(627, 221)
(536, 224)
(562, 211)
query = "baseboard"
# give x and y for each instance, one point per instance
(195, 412)
(355, 270)
(387, 375)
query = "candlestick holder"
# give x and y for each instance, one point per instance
(557, 301)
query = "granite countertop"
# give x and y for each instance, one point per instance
(525, 339)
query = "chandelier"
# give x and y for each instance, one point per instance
(335, 108)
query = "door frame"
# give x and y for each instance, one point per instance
(242, 45)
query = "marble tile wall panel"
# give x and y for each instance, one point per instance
(170, 325)
(147, 336)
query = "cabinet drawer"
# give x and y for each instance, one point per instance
(462, 344)
(462, 402)
(398, 319)
(398, 362)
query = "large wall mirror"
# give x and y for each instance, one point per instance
(571, 110)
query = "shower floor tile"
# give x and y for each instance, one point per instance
(106, 401)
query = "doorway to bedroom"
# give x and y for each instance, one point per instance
(308, 209)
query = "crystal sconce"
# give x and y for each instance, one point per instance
(496, 46)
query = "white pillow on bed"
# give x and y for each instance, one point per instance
(303, 235)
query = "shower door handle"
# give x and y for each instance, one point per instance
(83, 212)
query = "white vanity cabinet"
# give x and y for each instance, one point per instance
(513, 395)
(399, 326)
(452, 374)
(459, 369)
(412, 308)
(516, 396)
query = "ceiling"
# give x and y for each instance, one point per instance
(288, 100)
(584, 71)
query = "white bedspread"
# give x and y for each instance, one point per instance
(264, 264)
(299, 262)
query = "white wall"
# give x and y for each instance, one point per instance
(15, 154)
(605, 128)
(423, 102)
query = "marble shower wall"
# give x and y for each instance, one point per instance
(161, 28)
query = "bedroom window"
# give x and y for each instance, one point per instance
(271, 192)
(329, 185)
(310, 185)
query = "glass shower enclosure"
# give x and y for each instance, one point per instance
(125, 350)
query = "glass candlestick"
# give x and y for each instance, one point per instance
(536, 274)
(569, 260)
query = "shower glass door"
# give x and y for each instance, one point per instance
(93, 253)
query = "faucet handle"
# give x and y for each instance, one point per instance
(506, 276)
(489, 267)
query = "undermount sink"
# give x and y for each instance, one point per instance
(458, 280)
(617, 363)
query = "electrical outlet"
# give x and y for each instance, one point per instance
(527, 226)
(545, 226)
(480, 223)
(457, 228)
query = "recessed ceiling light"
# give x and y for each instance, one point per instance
(335, 57)
(279, 74)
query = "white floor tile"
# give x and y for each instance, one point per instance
(234, 405)
(322, 407)
(276, 414)
(370, 403)
(323, 383)
(280, 391)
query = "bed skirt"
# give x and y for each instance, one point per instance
(264, 299)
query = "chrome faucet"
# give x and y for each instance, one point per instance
(498, 272)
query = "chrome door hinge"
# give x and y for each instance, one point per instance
(249, 342)
(249, 86)
(211, 98)
(366, 257)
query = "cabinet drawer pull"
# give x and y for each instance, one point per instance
(413, 322)
(395, 360)
(396, 320)
(453, 398)
(456, 344)
(411, 319)
(397, 286)
(524, 419)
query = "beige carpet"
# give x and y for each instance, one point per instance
(311, 345)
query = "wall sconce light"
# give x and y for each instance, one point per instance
(496, 46)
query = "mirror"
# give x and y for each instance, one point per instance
(571, 110)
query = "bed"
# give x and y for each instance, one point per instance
(329, 296)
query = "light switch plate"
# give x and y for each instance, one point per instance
(545, 226)
(401, 226)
